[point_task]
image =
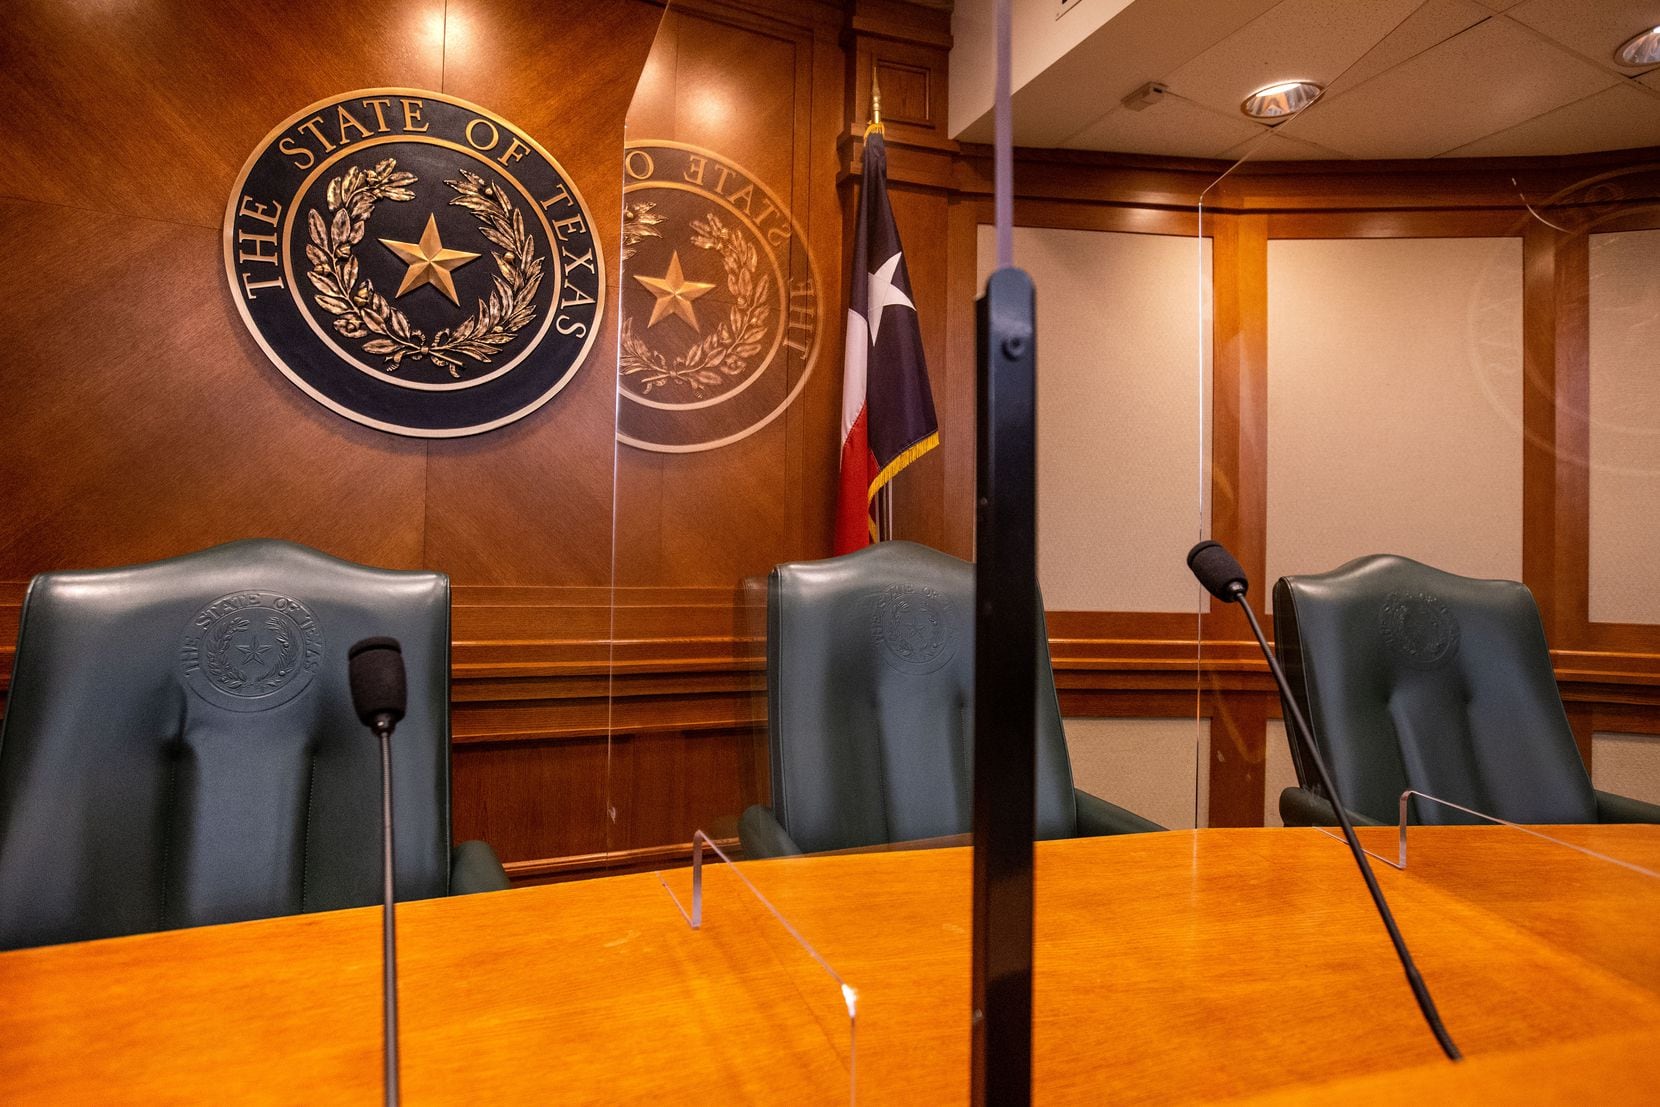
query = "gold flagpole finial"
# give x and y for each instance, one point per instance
(875, 105)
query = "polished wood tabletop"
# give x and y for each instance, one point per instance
(1176, 967)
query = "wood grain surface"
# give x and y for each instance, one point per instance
(1192, 965)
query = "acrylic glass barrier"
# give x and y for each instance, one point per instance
(1432, 334)
(732, 311)
(1440, 339)
(1435, 355)
(1124, 352)
(1582, 894)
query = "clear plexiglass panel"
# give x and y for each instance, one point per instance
(1432, 421)
(812, 915)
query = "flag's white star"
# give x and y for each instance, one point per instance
(884, 292)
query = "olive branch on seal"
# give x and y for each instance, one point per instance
(638, 223)
(360, 311)
(219, 665)
(725, 352)
(290, 651)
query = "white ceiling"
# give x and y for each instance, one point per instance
(1404, 79)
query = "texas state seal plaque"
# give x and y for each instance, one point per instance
(414, 262)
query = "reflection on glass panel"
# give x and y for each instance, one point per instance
(778, 703)
(720, 330)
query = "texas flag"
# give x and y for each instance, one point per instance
(887, 408)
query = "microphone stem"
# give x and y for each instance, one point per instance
(1420, 991)
(389, 950)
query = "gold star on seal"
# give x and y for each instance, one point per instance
(429, 262)
(674, 294)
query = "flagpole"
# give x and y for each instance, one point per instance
(888, 416)
(884, 495)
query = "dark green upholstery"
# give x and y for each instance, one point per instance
(870, 660)
(179, 746)
(1415, 678)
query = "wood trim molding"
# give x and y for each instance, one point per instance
(550, 870)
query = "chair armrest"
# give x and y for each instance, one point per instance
(1624, 809)
(474, 868)
(1300, 807)
(1097, 817)
(761, 835)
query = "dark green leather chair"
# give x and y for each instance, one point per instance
(870, 660)
(1411, 677)
(179, 746)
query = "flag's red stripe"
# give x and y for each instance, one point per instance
(852, 496)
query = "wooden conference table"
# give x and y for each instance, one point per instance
(1184, 966)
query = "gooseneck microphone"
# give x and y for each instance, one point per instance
(379, 694)
(1222, 576)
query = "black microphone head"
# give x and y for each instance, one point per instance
(375, 669)
(1217, 570)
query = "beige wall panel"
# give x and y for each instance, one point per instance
(1627, 765)
(1625, 426)
(1279, 772)
(1150, 766)
(1120, 389)
(1394, 403)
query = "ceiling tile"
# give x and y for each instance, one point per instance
(1432, 23)
(1144, 42)
(1172, 127)
(1278, 147)
(1618, 118)
(1311, 40)
(1464, 89)
(1595, 30)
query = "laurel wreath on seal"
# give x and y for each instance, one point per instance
(290, 650)
(361, 312)
(638, 223)
(724, 353)
(219, 664)
(224, 670)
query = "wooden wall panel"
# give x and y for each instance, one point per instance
(522, 796)
(531, 503)
(148, 110)
(755, 86)
(143, 422)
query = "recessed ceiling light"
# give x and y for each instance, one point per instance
(1642, 48)
(1275, 102)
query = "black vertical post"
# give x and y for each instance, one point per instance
(1005, 689)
